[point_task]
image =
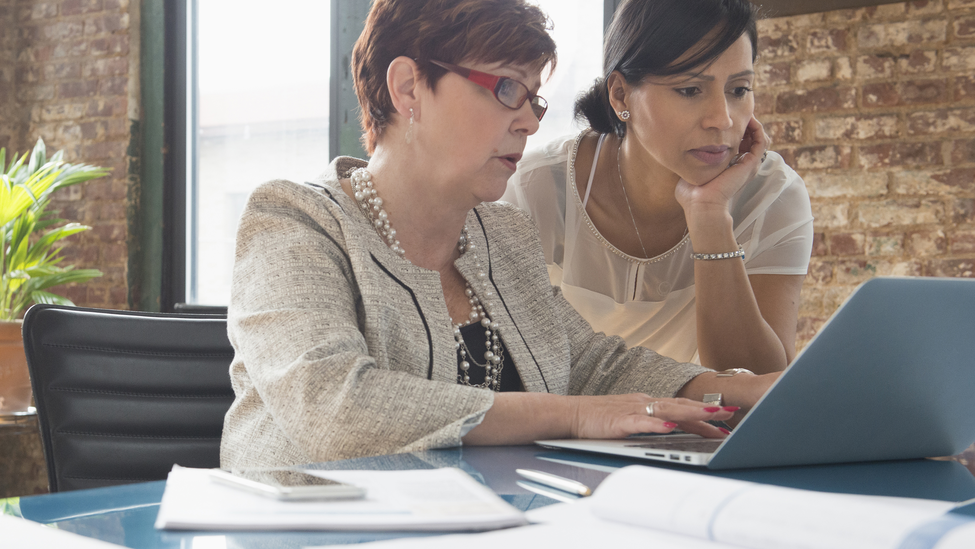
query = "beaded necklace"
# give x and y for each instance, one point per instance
(372, 205)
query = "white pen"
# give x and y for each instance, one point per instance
(555, 481)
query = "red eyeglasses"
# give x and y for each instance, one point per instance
(508, 91)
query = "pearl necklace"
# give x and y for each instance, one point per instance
(370, 203)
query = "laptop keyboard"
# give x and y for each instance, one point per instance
(706, 445)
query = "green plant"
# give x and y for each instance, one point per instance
(29, 259)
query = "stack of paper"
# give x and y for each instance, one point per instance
(431, 499)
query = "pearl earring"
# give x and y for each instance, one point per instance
(624, 115)
(409, 131)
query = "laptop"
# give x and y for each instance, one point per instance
(891, 375)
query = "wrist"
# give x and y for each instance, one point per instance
(712, 234)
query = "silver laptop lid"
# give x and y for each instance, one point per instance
(890, 376)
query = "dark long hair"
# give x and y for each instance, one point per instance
(647, 37)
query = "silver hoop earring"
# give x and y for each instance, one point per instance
(409, 130)
(624, 115)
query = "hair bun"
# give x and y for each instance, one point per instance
(593, 107)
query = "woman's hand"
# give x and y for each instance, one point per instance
(715, 195)
(617, 416)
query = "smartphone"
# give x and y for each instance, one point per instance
(287, 484)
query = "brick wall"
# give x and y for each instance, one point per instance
(10, 121)
(65, 76)
(875, 108)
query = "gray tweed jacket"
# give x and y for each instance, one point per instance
(344, 350)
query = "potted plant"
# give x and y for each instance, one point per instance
(29, 257)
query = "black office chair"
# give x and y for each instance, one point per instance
(121, 396)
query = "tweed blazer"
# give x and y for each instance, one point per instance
(344, 349)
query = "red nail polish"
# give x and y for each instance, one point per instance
(731, 408)
(670, 425)
(723, 430)
(712, 409)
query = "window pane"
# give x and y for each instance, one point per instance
(578, 36)
(262, 100)
(262, 94)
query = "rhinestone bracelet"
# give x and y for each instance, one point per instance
(726, 255)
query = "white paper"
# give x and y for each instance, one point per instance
(588, 532)
(25, 534)
(758, 515)
(429, 499)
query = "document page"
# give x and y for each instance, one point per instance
(434, 500)
(757, 515)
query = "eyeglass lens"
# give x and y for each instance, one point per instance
(512, 93)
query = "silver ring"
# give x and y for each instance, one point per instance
(650, 409)
(764, 155)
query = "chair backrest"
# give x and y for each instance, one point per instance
(121, 396)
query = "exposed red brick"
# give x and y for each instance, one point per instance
(924, 91)
(816, 100)
(60, 30)
(80, 7)
(918, 61)
(113, 86)
(69, 48)
(785, 131)
(822, 157)
(110, 45)
(807, 328)
(962, 178)
(106, 24)
(107, 107)
(964, 27)
(109, 232)
(71, 90)
(885, 244)
(63, 71)
(112, 66)
(846, 244)
(926, 243)
(956, 268)
(103, 150)
(921, 7)
(820, 272)
(941, 121)
(963, 151)
(783, 45)
(963, 210)
(880, 95)
(819, 244)
(901, 154)
(116, 5)
(28, 75)
(827, 40)
(773, 74)
(962, 243)
(48, 10)
(764, 103)
(964, 88)
(875, 66)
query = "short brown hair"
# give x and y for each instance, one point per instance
(480, 31)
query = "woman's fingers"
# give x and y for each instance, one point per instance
(623, 415)
(692, 416)
(755, 140)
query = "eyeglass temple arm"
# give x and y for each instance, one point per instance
(484, 79)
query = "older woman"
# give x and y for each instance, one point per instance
(391, 306)
(650, 228)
